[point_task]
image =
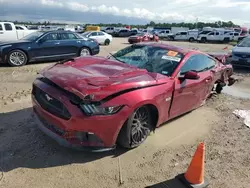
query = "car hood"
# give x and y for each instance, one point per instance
(14, 42)
(241, 50)
(100, 77)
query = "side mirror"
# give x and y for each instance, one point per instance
(190, 75)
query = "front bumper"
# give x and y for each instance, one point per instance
(96, 50)
(63, 142)
(240, 62)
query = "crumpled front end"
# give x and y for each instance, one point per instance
(62, 120)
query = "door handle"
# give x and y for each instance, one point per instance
(57, 43)
(78, 41)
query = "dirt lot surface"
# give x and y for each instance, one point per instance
(28, 158)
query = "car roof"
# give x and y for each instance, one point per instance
(168, 47)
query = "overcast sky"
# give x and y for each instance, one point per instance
(126, 11)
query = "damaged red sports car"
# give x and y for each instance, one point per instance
(93, 103)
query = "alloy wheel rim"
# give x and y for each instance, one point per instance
(140, 126)
(84, 52)
(17, 58)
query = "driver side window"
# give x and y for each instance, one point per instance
(50, 37)
(197, 63)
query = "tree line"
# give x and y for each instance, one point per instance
(150, 24)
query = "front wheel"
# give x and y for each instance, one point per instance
(136, 129)
(203, 40)
(84, 52)
(17, 58)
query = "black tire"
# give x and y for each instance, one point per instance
(171, 38)
(226, 40)
(203, 40)
(87, 51)
(191, 39)
(218, 88)
(107, 42)
(21, 55)
(129, 140)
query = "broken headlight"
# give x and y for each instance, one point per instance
(92, 109)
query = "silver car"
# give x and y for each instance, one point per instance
(241, 53)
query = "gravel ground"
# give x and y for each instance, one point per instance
(28, 158)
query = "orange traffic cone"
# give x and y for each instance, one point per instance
(194, 176)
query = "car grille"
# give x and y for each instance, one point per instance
(51, 127)
(243, 55)
(50, 104)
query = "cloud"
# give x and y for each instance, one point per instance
(131, 11)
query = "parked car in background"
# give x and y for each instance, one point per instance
(214, 36)
(21, 27)
(100, 36)
(110, 30)
(11, 32)
(234, 36)
(50, 45)
(184, 36)
(143, 37)
(134, 32)
(122, 33)
(94, 103)
(164, 34)
(241, 54)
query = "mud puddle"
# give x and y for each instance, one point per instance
(239, 90)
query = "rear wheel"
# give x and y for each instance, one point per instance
(191, 39)
(84, 52)
(171, 38)
(136, 129)
(17, 58)
(107, 42)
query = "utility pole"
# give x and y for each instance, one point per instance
(196, 23)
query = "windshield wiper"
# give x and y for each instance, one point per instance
(116, 58)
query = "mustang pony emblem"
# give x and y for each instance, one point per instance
(48, 97)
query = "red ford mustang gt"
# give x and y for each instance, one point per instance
(94, 103)
(143, 37)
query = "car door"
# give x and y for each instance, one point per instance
(177, 36)
(69, 44)
(94, 35)
(211, 36)
(101, 37)
(190, 94)
(47, 47)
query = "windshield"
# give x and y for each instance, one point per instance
(33, 36)
(152, 58)
(244, 43)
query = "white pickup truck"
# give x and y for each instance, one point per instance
(190, 35)
(213, 36)
(10, 32)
